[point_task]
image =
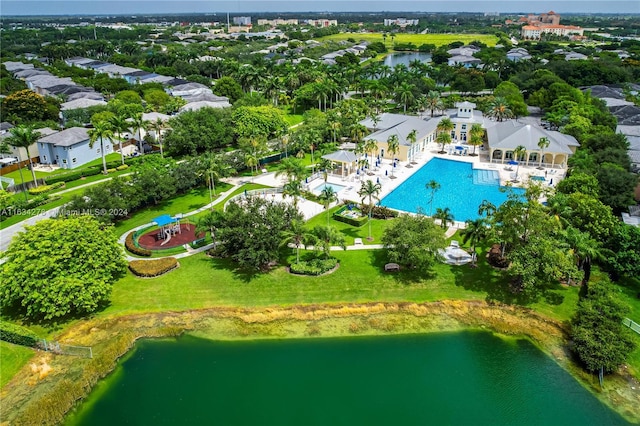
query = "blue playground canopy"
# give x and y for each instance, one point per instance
(164, 220)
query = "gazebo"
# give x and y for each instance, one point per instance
(343, 157)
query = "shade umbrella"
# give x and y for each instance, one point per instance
(513, 163)
(459, 148)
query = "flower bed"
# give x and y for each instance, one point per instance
(130, 244)
(153, 268)
(314, 267)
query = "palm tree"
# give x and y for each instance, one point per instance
(433, 101)
(443, 139)
(405, 94)
(101, 131)
(476, 137)
(138, 123)
(412, 137)
(210, 221)
(585, 248)
(284, 140)
(444, 215)
(393, 146)
(518, 153)
(327, 236)
(293, 189)
(297, 235)
(292, 168)
(370, 147)
(487, 207)
(543, 143)
(118, 125)
(499, 109)
(432, 186)
(157, 126)
(327, 196)
(445, 126)
(23, 137)
(251, 161)
(325, 165)
(474, 233)
(369, 190)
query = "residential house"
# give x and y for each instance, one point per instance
(518, 54)
(70, 148)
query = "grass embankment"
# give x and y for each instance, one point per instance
(14, 357)
(417, 39)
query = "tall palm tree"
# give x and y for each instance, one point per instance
(474, 233)
(543, 143)
(518, 152)
(432, 186)
(369, 190)
(393, 146)
(284, 141)
(405, 94)
(293, 189)
(119, 124)
(325, 165)
(434, 101)
(138, 123)
(585, 248)
(327, 196)
(412, 137)
(445, 126)
(251, 161)
(101, 131)
(157, 126)
(298, 235)
(487, 207)
(370, 147)
(476, 137)
(23, 136)
(444, 215)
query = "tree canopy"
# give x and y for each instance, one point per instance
(60, 267)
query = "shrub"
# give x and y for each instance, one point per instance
(18, 335)
(379, 212)
(314, 267)
(153, 268)
(71, 176)
(353, 221)
(42, 189)
(111, 170)
(130, 244)
(122, 167)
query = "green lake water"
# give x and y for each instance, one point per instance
(462, 378)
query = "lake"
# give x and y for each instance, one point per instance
(459, 378)
(405, 58)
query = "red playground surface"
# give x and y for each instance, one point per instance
(151, 241)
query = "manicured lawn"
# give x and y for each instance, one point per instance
(350, 232)
(417, 39)
(14, 357)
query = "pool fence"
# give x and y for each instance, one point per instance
(631, 324)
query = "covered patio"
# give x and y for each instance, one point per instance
(346, 159)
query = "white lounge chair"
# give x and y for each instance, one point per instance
(357, 241)
(454, 243)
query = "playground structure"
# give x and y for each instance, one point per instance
(170, 232)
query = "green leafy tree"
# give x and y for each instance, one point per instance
(292, 168)
(83, 260)
(326, 237)
(599, 339)
(622, 257)
(444, 128)
(579, 182)
(499, 109)
(195, 132)
(293, 189)
(210, 222)
(519, 153)
(413, 241)
(26, 106)
(371, 191)
(251, 231)
(474, 233)
(434, 102)
(227, 86)
(266, 121)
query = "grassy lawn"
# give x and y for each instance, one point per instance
(14, 357)
(417, 39)
(350, 232)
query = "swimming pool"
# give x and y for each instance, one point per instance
(336, 188)
(462, 189)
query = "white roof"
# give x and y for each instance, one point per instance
(400, 126)
(194, 106)
(154, 116)
(81, 103)
(16, 66)
(508, 135)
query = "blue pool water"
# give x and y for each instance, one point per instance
(462, 189)
(336, 188)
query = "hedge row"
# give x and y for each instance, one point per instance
(122, 167)
(18, 335)
(353, 221)
(42, 189)
(153, 268)
(130, 244)
(68, 177)
(313, 267)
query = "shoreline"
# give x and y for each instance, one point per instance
(38, 398)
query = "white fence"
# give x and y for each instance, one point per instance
(632, 325)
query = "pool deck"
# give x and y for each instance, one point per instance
(401, 173)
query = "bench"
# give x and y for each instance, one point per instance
(197, 243)
(391, 267)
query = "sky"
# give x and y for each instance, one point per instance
(117, 7)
